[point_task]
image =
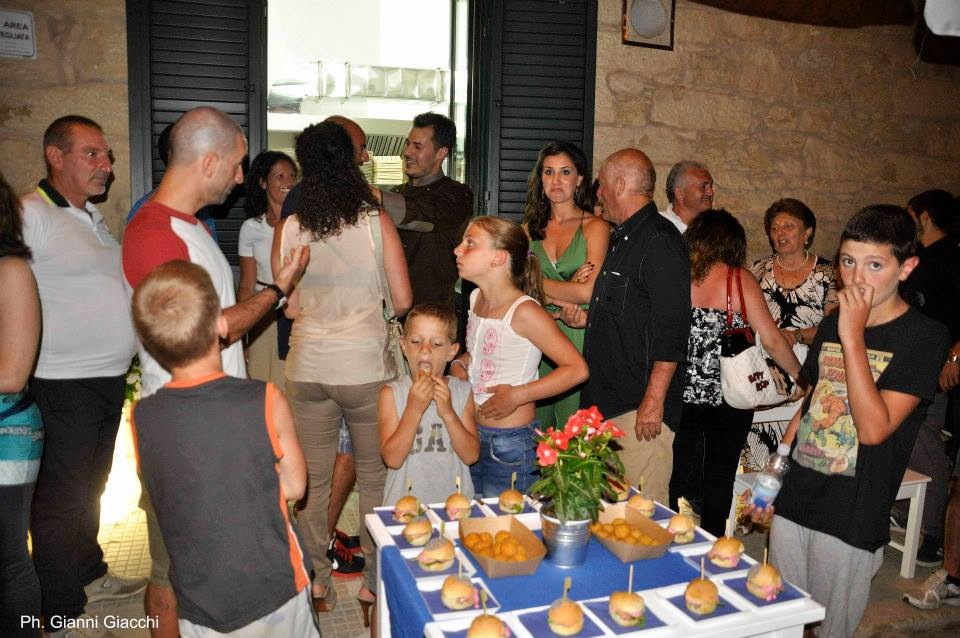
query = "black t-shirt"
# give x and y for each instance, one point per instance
(934, 285)
(835, 484)
(639, 314)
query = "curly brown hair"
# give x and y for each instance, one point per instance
(715, 236)
(333, 192)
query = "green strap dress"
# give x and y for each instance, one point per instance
(556, 410)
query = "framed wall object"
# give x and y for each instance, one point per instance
(649, 23)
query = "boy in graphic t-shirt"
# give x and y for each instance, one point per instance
(220, 457)
(873, 370)
(427, 430)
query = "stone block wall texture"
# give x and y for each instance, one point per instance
(834, 117)
(81, 68)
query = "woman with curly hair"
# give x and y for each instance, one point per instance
(569, 241)
(272, 174)
(21, 431)
(337, 361)
(717, 244)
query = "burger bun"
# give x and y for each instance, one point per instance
(458, 593)
(406, 509)
(641, 503)
(682, 528)
(511, 501)
(437, 555)
(626, 608)
(487, 626)
(565, 617)
(457, 507)
(418, 531)
(726, 552)
(701, 596)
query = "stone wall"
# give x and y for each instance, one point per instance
(81, 68)
(834, 117)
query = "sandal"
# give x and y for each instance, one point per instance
(325, 602)
(367, 600)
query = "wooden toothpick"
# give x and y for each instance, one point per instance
(483, 599)
(702, 577)
(513, 480)
(630, 579)
(458, 485)
(764, 555)
(729, 530)
(409, 486)
(566, 586)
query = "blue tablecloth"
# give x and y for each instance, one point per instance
(601, 573)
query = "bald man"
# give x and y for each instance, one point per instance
(638, 322)
(206, 155)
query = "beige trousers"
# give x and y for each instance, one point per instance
(647, 463)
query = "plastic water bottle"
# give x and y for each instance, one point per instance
(768, 482)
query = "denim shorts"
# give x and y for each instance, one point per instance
(504, 451)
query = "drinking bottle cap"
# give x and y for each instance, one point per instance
(783, 449)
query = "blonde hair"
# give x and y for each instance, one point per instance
(175, 311)
(524, 265)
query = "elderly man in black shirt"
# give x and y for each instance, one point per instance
(638, 322)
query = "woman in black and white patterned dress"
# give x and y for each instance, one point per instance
(800, 288)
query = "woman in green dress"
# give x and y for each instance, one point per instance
(570, 243)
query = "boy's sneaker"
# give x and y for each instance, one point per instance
(110, 586)
(930, 553)
(934, 592)
(350, 542)
(343, 561)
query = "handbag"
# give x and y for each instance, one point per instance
(747, 380)
(393, 359)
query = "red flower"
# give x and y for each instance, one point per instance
(574, 425)
(613, 428)
(559, 439)
(546, 455)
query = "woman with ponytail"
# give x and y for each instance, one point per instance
(507, 331)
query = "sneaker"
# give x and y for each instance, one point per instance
(110, 586)
(934, 592)
(343, 561)
(350, 542)
(83, 626)
(930, 553)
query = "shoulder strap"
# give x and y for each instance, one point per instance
(743, 305)
(508, 317)
(373, 215)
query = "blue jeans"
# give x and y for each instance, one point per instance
(504, 451)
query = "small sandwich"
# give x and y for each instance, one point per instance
(487, 626)
(565, 617)
(639, 502)
(726, 552)
(764, 582)
(622, 490)
(458, 507)
(511, 501)
(425, 369)
(418, 531)
(701, 596)
(458, 593)
(437, 555)
(406, 509)
(682, 528)
(626, 608)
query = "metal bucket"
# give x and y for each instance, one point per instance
(566, 542)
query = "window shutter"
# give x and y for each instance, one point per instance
(188, 54)
(542, 56)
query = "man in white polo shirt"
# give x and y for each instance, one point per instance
(85, 352)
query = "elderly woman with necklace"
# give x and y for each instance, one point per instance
(799, 286)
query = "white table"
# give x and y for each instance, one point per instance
(913, 487)
(784, 623)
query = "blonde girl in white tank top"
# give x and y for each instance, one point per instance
(506, 332)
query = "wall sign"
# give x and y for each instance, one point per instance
(17, 35)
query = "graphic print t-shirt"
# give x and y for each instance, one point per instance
(836, 484)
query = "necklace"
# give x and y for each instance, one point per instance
(806, 258)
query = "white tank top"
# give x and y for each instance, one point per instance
(498, 355)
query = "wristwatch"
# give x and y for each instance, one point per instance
(281, 297)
